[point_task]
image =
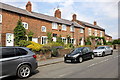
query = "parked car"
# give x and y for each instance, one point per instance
(18, 61)
(103, 50)
(79, 54)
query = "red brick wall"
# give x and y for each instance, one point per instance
(10, 20)
(93, 31)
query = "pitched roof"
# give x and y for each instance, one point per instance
(108, 35)
(91, 25)
(37, 15)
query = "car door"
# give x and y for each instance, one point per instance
(84, 53)
(0, 62)
(107, 50)
(10, 61)
(88, 53)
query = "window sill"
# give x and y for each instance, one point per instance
(55, 29)
(64, 31)
(71, 32)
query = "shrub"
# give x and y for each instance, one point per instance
(54, 52)
(35, 46)
(69, 46)
(109, 43)
(23, 43)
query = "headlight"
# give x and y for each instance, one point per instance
(65, 55)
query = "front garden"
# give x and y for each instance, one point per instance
(23, 38)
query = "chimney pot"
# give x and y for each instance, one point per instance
(74, 17)
(95, 23)
(58, 13)
(29, 6)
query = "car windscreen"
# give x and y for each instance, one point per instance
(75, 51)
(100, 47)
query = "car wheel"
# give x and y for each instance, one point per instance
(111, 52)
(65, 61)
(92, 56)
(103, 54)
(80, 59)
(24, 71)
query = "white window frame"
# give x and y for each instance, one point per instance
(96, 33)
(24, 23)
(101, 33)
(34, 39)
(81, 30)
(64, 27)
(0, 18)
(89, 31)
(72, 29)
(64, 38)
(42, 29)
(74, 42)
(44, 37)
(54, 25)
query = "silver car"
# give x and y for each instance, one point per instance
(103, 50)
(18, 61)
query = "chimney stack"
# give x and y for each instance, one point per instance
(95, 23)
(58, 13)
(74, 17)
(29, 6)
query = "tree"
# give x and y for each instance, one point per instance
(49, 35)
(30, 35)
(59, 39)
(19, 32)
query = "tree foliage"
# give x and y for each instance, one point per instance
(49, 37)
(19, 32)
(30, 35)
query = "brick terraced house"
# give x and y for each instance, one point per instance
(39, 24)
(90, 29)
(108, 38)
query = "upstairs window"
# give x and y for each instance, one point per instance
(81, 31)
(25, 25)
(0, 18)
(89, 31)
(43, 29)
(101, 34)
(95, 32)
(72, 28)
(54, 25)
(64, 27)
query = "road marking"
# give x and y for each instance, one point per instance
(64, 74)
(90, 65)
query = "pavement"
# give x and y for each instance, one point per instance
(50, 61)
(53, 61)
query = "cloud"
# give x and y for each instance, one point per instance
(103, 11)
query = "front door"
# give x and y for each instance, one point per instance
(9, 39)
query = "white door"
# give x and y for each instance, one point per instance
(35, 40)
(9, 39)
(82, 42)
(54, 39)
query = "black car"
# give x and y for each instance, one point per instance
(79, 54)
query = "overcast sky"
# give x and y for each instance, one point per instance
(105, 12)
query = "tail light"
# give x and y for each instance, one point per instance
(34, 56)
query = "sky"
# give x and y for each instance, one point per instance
(105, 12)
